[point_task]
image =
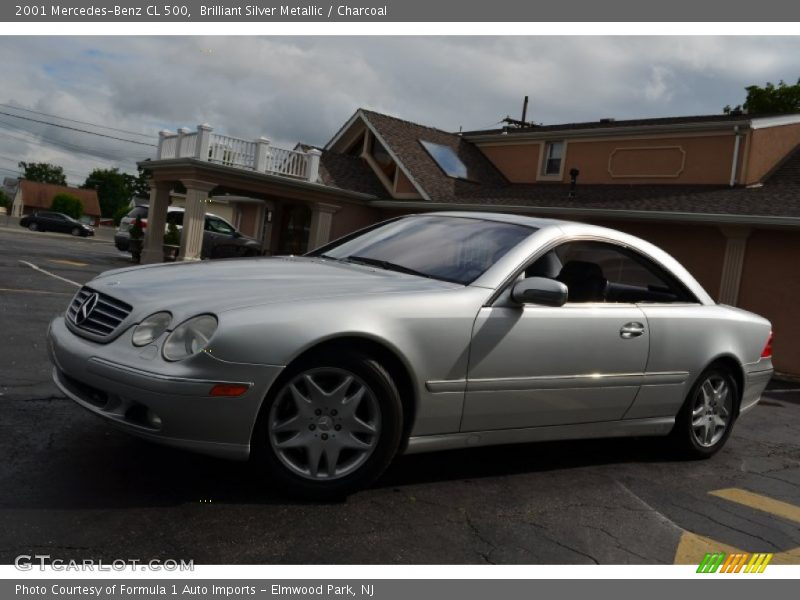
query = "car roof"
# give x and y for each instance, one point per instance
(536, 222)
(181, 209)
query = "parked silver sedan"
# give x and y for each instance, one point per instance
(425, 332)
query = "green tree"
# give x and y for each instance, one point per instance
(773, 99)
(114, 189)
(5, 201)
(43, 172)
(67, 204)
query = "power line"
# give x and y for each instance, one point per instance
(41, 140)
(112, 137)
(36, 112)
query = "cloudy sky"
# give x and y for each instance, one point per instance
(302, 89)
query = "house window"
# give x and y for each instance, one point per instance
(447, 159)
(553, 153)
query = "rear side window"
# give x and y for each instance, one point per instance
(602, 272)
(138, 211)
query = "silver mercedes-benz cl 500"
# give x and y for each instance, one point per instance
(425, 332)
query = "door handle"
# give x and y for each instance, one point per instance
(631, 330)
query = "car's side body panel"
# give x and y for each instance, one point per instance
(687, 339)
(536, 365)
(428, 331)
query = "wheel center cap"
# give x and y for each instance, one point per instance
(324, 423)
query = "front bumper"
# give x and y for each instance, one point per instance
(756, 378)
(138, 392)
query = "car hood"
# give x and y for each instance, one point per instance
(226, 284)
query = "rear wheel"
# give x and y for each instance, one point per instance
(33, 227)
(332, 426)
(705, 422)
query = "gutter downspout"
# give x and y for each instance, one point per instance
(735, 162)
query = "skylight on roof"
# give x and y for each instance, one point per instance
(447, 159)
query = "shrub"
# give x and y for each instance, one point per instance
(121, 212)
(67, 204)
(137, 231)
(5, 201)
(173, 236)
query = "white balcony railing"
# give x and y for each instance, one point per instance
(257, 155)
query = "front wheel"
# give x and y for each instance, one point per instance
(332, 427)
(75, 231)
(705, 422)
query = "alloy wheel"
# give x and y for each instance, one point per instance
(711, 411)
(324, 423)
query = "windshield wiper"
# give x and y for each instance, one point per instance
(385, 264)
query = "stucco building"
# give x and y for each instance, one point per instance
(721, 192)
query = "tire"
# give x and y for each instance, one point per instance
(34, 227)
(707, 417)
(295, 438)
(76, 231)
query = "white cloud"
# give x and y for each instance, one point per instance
(293, 89)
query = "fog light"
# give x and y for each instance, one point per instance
(153, 419)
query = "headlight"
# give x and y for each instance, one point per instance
(190, 337)
(151, 328)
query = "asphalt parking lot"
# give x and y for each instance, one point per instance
(72, 487)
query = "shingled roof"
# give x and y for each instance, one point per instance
(404, 137)
(778, 196)
(40, 195)
(349, 173)
(733, 119)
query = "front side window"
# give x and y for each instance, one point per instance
(553, 153)
(218, 226)
(602, 272)
(455, 249)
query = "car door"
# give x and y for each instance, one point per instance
(60, 223)
(533, 365)
(221, 240)
(45, 221)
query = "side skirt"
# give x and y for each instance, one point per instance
(656, 426)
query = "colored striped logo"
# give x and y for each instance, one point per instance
(734, 563)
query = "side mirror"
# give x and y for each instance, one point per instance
(539, 290)
(236, 234)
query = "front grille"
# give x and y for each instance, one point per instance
(101, 320)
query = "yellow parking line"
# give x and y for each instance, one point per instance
(759, 502)
(72, 263)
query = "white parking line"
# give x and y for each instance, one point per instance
(784, 391)
(35, 268)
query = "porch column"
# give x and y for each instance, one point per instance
(152, 251)
(194, 218)
(732, 264)
(321, 220)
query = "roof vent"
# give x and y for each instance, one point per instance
(607, 120)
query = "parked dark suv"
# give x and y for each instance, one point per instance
(45, 220)
(220, 238)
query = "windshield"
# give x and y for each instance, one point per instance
(456, 249)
